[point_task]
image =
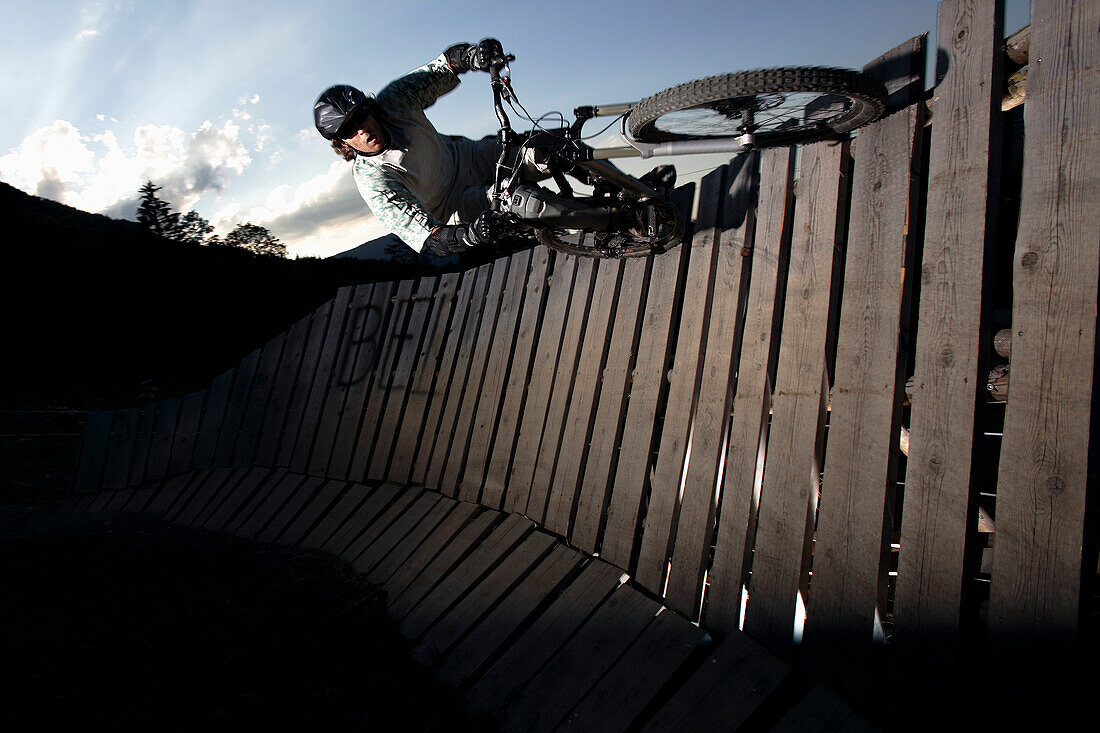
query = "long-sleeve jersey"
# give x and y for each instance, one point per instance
(410, 186)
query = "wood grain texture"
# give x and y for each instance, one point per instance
(258, 398)
(303, 381)
(282, 391)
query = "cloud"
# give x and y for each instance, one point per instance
(86, 33)
(56, 154)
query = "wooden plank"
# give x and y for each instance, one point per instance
(740, 490)
(608, 424)
(101, 500)
(362, 414)
(167, 495)
(256, 408)
(538, 644)
(855, 519)
(235, 410)
(727, 688)
(422, 576)
(698, 506)
(420, 545)
(390, 513)
(441, 383)
(1037, 616)
(187, 432)
(637, 677)
(565, 381)
(262, 509)
(792, 467)
(579, 418)
(120, 449)
(320, 501)
(282, 390)
(144, 444)
(216, 404)
(467, 409)
(317, 378)
(949, 375)
(191, 505)
(499, 458)
(575, 669)
(351, 496)
(300, 501)
(423, 377)
(219, 513)
(319, 330)
(463, 368)
(164, 434)
(363, 519)
(539, 387)
(446, 630)
(646, 382)
(490, 635)
(489, 552)
(683, 380)
(500, 356)
(353, 367)
(376, 465)
(141, 501)
(820, 711)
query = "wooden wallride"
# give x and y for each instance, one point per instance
(554, 465)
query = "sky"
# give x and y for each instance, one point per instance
(212, 99)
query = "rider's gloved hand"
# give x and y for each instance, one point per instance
(447, 240)
(480, 57)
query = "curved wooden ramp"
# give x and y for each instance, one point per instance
(536, 633)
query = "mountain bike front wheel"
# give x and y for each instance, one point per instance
(781, 106)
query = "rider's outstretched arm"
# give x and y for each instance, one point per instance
(421, 87)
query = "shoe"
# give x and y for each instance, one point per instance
(662, 178)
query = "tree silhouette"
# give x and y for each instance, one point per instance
(193, 229)
(256, 239)
(155, 214)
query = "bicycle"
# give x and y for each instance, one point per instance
(625, 216)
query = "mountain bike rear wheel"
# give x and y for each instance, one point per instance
(781, 106)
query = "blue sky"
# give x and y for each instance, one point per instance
(211, 99)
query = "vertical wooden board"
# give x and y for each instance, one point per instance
(793, 462)
(259, 396)
(565, 376)
(331, 521)
(540, 383)
(313, 384)
(375, 463)
(351, 371)
(144, 444)
(725, 690)
(507, 427)
(608, 426)
(183, 447)
(219, 513)
(441, 384)
(319, 330)
(483, 556)
(572, 672)
(216, 404)
(752, 399)
(404, 561)
(1037, 616)
(638, 676)
(251, 521)
(447, 435)
(363, 519)
(537, 645)
(120, 449)
(235, 410)
(467, 409)
(488, 637)
(164, 434)
(947, 378)
(392, 523)
(423, 377)
(325, 498)
(580, 416)
(646, 381)
(282, 389)
(683, 379)
(820, 711)
(360, 423)
(373, 407)
(300, 501)
(449, 628)
(501, 353)
(698, 504)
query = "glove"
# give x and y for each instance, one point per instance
(448, 240)
(480, 57)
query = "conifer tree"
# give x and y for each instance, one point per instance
(155, 214)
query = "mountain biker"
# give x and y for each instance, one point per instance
(431, 190)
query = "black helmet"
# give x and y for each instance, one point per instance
(334, 107)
